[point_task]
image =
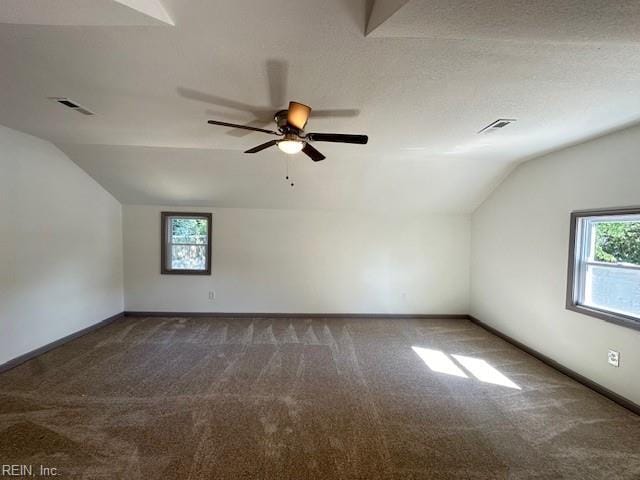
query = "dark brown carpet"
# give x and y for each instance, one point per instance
(171, 398)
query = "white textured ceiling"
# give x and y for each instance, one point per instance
(421, 101)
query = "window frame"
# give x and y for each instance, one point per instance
(164, 242)
(575, 285)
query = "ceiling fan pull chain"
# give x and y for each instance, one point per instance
(287, 160)
(286, 163)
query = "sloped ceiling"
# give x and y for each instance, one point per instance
(421, 101)
(525, 20)
(84, 12)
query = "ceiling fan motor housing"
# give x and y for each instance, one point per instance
(283, 125)
(294, 137)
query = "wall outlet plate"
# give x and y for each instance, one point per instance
(212, 295)
(614, 358)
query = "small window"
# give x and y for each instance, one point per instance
(186, 243)
(604, 265)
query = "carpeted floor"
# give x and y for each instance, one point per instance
(225, 398)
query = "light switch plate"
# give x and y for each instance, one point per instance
(614, 358)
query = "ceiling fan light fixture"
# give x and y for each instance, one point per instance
(291, 146)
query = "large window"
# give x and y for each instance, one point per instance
(186, 243)
(604, 265)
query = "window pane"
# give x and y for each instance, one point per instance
(617, 242)
(611, 288)
(188, 257)
(189, 230)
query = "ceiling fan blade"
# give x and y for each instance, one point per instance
(338, 138)
(258, 123)
(312, 153)
(298, 114)
(244, 127)
(338, 113)
(259, 148)
(277, 71)
(215, 100)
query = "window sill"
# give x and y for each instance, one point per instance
(185, 272)
(611, 317)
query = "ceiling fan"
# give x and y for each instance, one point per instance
(291, 123)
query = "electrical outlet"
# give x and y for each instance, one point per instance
(614, 358)
(212, 295)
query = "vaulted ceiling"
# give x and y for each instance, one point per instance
(421, 80)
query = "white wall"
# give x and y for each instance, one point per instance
(60, 246)
(306, 261)
(520, 241)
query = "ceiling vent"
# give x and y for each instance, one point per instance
(72, 105)
(497, 125)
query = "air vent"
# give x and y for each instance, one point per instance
(71, 104)
(497, 125)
